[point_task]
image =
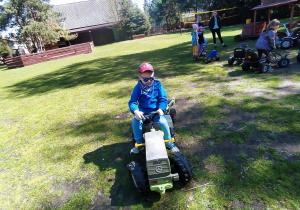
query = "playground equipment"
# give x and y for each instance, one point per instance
(230, 14)
(161, 167)
(252, 30)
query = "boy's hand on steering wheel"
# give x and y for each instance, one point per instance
(160, 112)
(138, 114)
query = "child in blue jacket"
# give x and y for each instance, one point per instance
(147, 96)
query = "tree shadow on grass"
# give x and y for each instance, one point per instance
(168, 62)
(123, 193)
(107, 70)
(248, 154)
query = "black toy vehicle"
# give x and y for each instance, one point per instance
(298, 56)
(292, 39)
(252, 60)
(239, 55)
(159, 167)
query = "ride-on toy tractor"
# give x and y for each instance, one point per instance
(160, 167)
(252, 60)
(239, 55)
(292, 39)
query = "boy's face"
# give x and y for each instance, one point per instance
(215, 14)
(146, 75)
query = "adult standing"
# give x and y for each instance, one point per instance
(215, 25)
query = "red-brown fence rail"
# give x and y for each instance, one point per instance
(26, 60)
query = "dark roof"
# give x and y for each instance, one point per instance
(86, 14)
(279, 3)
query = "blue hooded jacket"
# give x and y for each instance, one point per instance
(141, 101)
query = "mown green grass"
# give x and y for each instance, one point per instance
(66, 133)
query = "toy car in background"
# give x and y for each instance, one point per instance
(239, 55)
(252, 60)
(292, 39)
(213, 55)
(159, 167)
(298, 56)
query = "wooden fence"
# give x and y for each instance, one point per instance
(26, 60)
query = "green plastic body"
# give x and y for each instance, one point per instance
(157, 162)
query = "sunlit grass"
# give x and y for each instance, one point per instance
(65, 128)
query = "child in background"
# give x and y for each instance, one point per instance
(266, 41)
(200, 23)
(149, 95)
(201, 40)
(195, 40)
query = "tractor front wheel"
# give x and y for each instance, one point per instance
(139, 177)
(284, 62)
(246, 66)
(180, 165)
(230, 60)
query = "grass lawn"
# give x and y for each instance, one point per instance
(66, 133)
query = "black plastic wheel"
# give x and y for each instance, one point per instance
(238, 38)
(139, 177)
(173, 115)
(264, 68)
(217, 58)
(286, 43)
(180, 165)
(281, 35)
(246, 66)
(230, 60)
(284, 62)
(298, 57)
(206, 60)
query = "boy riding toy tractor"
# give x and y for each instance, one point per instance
(161, 167)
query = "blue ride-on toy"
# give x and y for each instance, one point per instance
(213, 55)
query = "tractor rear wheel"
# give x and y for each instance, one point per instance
(180, 165)
(139, 177)
(173, 115)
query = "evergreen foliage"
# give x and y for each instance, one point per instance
(33, 19)
(4, 48)
(132, 19)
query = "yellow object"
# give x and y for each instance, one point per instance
(143, 144)
(248, 21)
(195, 50)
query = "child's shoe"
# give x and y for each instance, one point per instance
(136, 150)
(171, 146)
(271, 68)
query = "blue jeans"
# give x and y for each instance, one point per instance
(137, 126)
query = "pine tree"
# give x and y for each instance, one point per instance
(133, 20)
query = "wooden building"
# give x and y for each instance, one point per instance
(92, 20)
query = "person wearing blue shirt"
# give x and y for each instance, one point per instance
(215, 25)
(147, 96)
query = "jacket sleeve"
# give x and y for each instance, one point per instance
(220, 22)
(271, 37)
(211, 24)
(133, 102)
(162, 99)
